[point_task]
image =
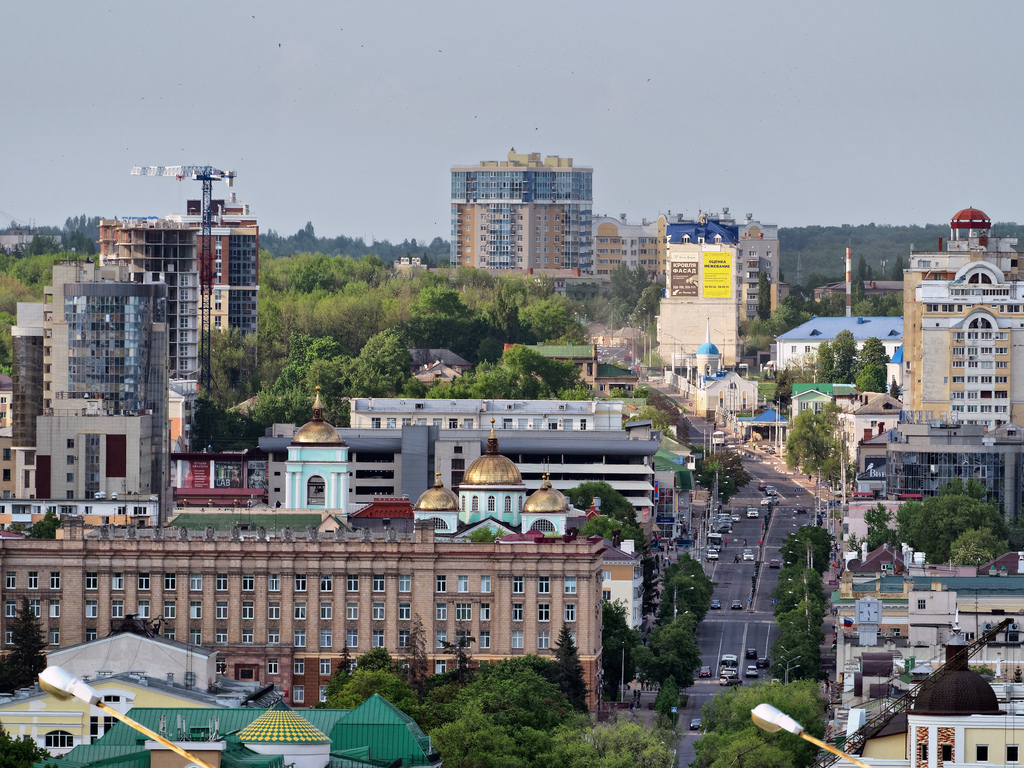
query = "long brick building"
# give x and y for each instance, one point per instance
(278, 607)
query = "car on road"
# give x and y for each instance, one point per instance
(705, 671)
(752, 671)
(730, 680)
(748, 554)
(775, 563)
(735, 517)
(762, 485)
(695, 723)
(753, 512)
(736, 605)
(763, 662)
(767, 501)
(712, 554)
(770, 490)
(716, 604)
(751, 653)
(800, 511)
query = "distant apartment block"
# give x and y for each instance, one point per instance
(523, 213)
(164, 250)
(616, 242)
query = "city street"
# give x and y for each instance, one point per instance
(733, 631)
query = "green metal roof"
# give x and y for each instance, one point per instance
(666, 461)
(565, 350)
(223, 521)
(384, 729)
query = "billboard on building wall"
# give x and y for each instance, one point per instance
(683, 275)
(717, 274)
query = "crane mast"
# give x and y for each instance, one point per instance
(204, 260)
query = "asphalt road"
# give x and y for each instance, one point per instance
(733, 631)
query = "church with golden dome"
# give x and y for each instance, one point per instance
(492, 489)
(316, 472)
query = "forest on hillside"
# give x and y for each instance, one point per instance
(812, 256)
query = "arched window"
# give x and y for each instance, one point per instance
(315, 488)
(718, 238)
(476, 503)
(980, 322)
(59, 740)
(491, 504)
(439, 524)
(508, 505)
(982, 278)
(462, 503)
(544, 526)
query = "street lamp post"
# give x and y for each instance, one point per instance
(60, 683)
(770, 719)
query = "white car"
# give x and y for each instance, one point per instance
(748, 554)
(712, 554)
(767, 501)
(752, 671)
(753, 512)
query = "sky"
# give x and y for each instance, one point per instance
(350, 115)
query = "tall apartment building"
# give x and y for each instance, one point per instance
(963, 308)
(164, 250)
(523, 213)
(616, 241)
(91, 386)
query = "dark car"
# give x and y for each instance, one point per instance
(762, 485)
(737, 605)
(800, 510)
(751, 653)
(695, 723)
(716, 603)
(764, 662)
(775, 563)
(705, 671)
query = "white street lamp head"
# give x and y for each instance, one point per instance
(769, 718)
(58, 682)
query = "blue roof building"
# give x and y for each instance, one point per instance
(792, 346)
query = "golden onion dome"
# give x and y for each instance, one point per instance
(546, 500)
(492, 468)
(317, 431)
(437, 499)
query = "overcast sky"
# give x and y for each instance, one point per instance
(350, 115)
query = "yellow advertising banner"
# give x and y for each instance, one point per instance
(717, 274)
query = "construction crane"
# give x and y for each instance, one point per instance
(881, 717)
(206, 174)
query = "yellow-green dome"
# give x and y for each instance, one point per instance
(317, 431)
(546, 500)
(492, 468)
(438, 498)
(281, 726)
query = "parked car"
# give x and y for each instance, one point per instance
(751, 653)
(748, 554)
(705, 671)
(753, 512)
(695, 723)
(737, 605)
(752, 671)
(716, 604)
(775, 563)
(764, 662)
